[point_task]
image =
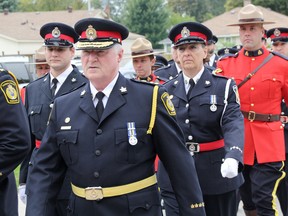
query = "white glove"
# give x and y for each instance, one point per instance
(229, 168)
(21, 193)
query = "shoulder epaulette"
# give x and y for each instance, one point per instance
(280, 55)
(142, 82)
(228, 56)
(218, 75)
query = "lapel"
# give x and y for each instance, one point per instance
(179, 90)
(203, 83)
(116, 99)
(45, 86)
(86, 103)
(72, 81)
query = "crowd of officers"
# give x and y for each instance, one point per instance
(198, 133)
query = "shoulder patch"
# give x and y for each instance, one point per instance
(10, 91)
(147, 83)
(165, 97)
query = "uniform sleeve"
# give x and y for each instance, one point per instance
(25, 163)
(177, 160)
(14, 136)
(47, 173)
(233, 124)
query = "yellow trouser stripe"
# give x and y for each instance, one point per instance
(275, 189)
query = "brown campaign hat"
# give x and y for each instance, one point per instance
(40, 56)
(250, 14)
(141, 47)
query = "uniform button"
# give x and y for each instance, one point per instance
(190, 137)
(99, 131)
(187, 105)
(252, 105)
(51, 106)
(32, 112)
(253, 59)
(97, 152)
(274, 79)
(282, 113)
(187, 121)
(252, 88)
(96, 174)
(147, 205)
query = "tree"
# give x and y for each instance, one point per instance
(148, 18)
(51, 5)
(280, 6)
(9, 5)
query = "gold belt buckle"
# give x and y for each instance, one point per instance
(93, 193)
(251, 116)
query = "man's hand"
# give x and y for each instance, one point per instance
(229, 168)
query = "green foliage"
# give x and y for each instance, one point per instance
(51, 5)
(148, 18)
(11, 5)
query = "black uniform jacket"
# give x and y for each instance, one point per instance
(38, 103)
(202, 125)
(167, 72)
(99, 153)
(14, 142)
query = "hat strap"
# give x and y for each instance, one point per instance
(62, 36)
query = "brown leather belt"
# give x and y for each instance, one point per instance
(252, 116)
(201, 147)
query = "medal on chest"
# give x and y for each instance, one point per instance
(213, 102)
(131, 129)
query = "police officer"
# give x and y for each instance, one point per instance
(40, 94)
(143, 59)
(172, 69)
(208, 112)
(14, 141)
(212, 57)
(279, 39)
(262, 81)
(160, 62)
(107, 135)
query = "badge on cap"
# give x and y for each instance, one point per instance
(213, 102)
(56, 32)
(277, 32)
(132, 133)
(91, 33)
(185, 32)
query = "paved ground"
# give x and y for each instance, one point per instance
(240, 211)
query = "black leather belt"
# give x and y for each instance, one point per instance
(252, 116)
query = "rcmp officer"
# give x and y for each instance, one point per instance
(40, 94)
(110, 150)
(262, 82)
(143, 58)
(279, 39)
(208, 112)
(173, 68)
(14, 141)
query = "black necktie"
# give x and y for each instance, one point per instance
(53, 89)
(192, 84)
(99, 106)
